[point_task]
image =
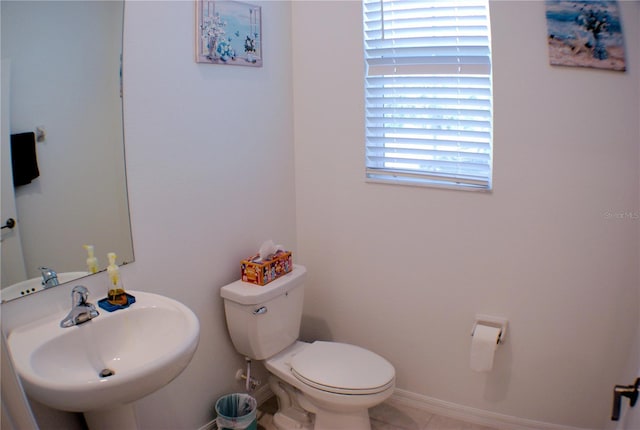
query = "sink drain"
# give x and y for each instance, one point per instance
(104, 373)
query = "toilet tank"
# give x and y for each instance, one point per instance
(264, 320)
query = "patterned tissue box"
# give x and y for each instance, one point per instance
(261, 272)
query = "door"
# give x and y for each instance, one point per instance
(13, 269)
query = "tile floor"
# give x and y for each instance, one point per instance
(386, 416)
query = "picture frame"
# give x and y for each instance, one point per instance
(228, 33)
(585, 34)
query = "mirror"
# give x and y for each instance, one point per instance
(61, 74)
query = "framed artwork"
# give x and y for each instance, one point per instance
(585, 34)
(229, 33)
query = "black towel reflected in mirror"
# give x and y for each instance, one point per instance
(23, 158)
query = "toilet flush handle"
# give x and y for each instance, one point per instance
(261, 310)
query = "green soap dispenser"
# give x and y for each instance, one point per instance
(116, 295)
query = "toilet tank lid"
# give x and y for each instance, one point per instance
(246, 293)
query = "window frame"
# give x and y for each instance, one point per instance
(426, 64)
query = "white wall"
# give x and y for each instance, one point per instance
(210, 173)
(404, 270)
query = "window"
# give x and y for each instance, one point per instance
(428, 92)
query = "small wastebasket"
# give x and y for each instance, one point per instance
(237, 411)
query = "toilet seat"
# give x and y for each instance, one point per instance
(342, 369)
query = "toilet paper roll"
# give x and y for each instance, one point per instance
(483, 347)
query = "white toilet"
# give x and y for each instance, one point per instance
(319, 385)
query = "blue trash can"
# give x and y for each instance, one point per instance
(237, 411)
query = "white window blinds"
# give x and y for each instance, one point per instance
(428, 92)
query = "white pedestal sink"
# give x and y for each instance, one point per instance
(101, 366)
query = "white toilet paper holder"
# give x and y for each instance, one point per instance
(491, 321)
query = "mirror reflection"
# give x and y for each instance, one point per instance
(61, 81)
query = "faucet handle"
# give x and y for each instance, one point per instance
(79, 295)
(81, 310)
(45, 271)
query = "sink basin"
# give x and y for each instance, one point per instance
(112, 360)
(33, 285)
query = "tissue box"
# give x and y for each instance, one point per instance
(263, 272)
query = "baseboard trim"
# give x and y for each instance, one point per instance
(440, 407)
(263, 394)
(469, 414)
(211, 425)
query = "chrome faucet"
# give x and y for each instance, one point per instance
(81, 310)
(49, 277)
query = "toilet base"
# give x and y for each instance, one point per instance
(351, 422)
(282, 421)
(297, 411)
(290, 414)
(325, 420)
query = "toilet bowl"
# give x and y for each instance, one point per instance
(336, 382)
(319, 385)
